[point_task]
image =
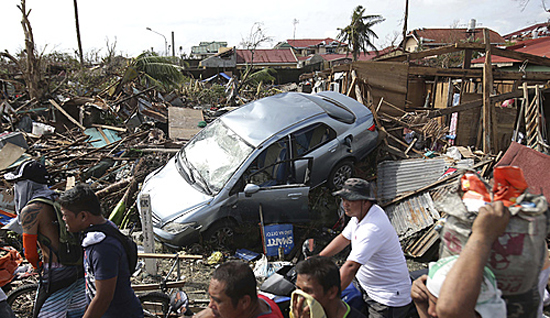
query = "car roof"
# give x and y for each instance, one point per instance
(257, 121)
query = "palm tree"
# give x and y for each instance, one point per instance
(358, 34)
(161, 71)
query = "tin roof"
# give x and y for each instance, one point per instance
(412, 215)
(540, 47)
(431, 37)
(399, 177)
(362, 56)
(527, 31)
(267, 56)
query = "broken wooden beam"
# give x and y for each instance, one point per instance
(473, 104)
(74, 121)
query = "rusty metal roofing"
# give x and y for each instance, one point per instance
(439, 36)
(263, 56)
(399, 177)
(540, 47)
(412, 215)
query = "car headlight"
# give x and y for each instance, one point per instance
(174, 227)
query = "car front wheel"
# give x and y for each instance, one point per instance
(221, 234)
(341, 172)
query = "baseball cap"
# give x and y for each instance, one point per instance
(489, 302)
(356, 189)
(29, 170)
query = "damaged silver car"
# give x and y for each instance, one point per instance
(269, 153)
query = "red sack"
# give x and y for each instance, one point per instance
(10, 259)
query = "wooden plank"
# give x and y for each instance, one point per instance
(392, 77)
(109, 127)
(351, 86)
(488, 109)
(520, 56)
(473, 104)
(435, 51)
(183, 122)
(172, 256)
(476, 73)
(447, 72)
(66, 114)
(418, 55)
(466, 132)
(404, 144)
(387, 80)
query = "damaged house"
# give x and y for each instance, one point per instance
(420, 107)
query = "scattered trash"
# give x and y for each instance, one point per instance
(214, 258)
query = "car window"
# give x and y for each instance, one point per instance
(271, 167)
(214, 155)
(310, 138)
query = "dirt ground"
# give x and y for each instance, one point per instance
(197, 273)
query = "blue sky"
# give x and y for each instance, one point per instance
(125, 22)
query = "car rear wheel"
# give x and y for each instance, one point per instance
(221, 234)
(341, 172)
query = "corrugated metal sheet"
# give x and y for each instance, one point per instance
(412, 215)
(399, 177)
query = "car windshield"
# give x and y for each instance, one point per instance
(213, 156)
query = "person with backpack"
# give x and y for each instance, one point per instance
(61, 291)
(106, 256)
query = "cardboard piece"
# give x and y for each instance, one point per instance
(183, 122)
(9, 154)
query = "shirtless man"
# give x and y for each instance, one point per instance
(65, 284)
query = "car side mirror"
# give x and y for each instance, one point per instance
(250, 189)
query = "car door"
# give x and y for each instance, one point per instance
(319, 142)
(283, 198)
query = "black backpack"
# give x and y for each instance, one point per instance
(127, 243)
(69, 251)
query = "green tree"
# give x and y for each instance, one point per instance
(161, 71)
(358, 33)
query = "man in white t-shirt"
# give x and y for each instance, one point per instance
(376, 259)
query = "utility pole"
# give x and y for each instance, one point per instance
(78, 33)
(173, 46)
(294, 34)
(405, 24)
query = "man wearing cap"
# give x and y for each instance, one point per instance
(461, 286)
(61, 292)
(376, 259)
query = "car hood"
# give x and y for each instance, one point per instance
(171, 196)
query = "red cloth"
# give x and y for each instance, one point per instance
(535, 166)
(275, 311)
